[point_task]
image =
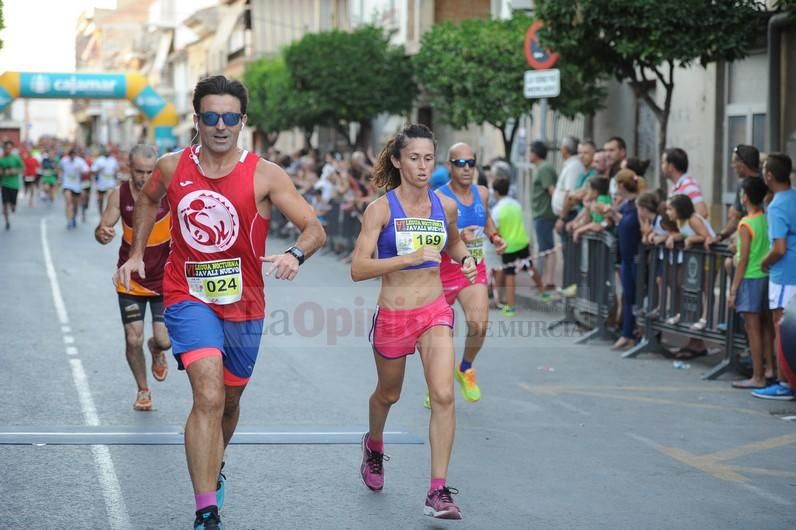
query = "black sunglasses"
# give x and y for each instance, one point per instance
(211, 118)
(461, 162)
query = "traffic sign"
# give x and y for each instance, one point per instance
(537, 57)
(542, 83)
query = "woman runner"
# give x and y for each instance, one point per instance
(409, 227)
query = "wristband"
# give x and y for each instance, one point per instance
(296, 253)
(493, 237)
(464, 258)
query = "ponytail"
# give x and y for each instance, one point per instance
(630, 181)
(385, 174)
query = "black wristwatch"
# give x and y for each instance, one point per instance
(467, 256)
(296, 253)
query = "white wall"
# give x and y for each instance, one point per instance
(691, 122)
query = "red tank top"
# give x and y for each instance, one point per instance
(217, 239)
(157, 247)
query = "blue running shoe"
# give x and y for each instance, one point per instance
(208, 519)
(777, 391)
(222, 478)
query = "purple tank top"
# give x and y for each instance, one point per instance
(404, 235)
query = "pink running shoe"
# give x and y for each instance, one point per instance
(372, 468)
(440, 505)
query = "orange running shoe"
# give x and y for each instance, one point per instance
(143, 401)
(160, 366)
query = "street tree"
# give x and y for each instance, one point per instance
(644, 41)
(340, 78)
(473, 73)
(272, 105)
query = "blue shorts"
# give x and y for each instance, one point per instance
(752, 295)
(544, 233)
(193, 326)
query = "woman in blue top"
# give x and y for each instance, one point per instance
(628, 234)
(409, 227)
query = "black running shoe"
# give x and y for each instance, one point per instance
(208, 519)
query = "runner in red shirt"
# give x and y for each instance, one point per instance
(31, 177)
(221, 199)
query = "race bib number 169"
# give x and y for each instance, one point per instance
(413, 233)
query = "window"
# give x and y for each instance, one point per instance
(745, 112)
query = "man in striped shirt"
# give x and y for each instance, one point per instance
(674, 166)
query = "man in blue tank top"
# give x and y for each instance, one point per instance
(475, 228)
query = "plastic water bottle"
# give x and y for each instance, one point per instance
(680, 365)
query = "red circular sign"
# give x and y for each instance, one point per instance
(538, 57)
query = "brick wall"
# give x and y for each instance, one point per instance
(458, 10)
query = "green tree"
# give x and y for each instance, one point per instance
(2, 24)
(473, 73)
(339, 78)
(272, 105)
(643, 41)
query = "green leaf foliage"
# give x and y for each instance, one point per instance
(342, 77)
(473, 73)
(272, 106)
(645, 40)
(616, 37)
(2, 24)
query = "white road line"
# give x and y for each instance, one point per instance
(58, 300)
(66, 329)
(118, 517)
(68, 339)
(71, 350)
(84, 393)
(111, 491)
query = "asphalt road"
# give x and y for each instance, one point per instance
(566, 436)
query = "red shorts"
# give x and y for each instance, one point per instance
(453, 281)
(395, 332)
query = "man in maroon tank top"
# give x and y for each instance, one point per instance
(142, 291)
(220, 198)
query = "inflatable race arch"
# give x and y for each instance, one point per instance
(162, 115)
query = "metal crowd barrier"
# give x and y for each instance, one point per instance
(690, 282)
(590, 264)
(342, 227)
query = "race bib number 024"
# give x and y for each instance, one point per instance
(412, 234)
(215, 282)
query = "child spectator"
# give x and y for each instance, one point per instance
(780, 263)
(749, 291)
(655, 228)
(693, 230)
(592, 219)
(507, 214)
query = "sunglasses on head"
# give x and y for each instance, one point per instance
(461, 162)
(211, 118)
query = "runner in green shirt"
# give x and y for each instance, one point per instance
(11, 167)
(510, 222)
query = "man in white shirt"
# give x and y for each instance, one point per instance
(567, 181)
(104, 168)
(71, 170)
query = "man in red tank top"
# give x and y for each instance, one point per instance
(143, 291)
(220, 199)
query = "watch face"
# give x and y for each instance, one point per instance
(297, 253)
